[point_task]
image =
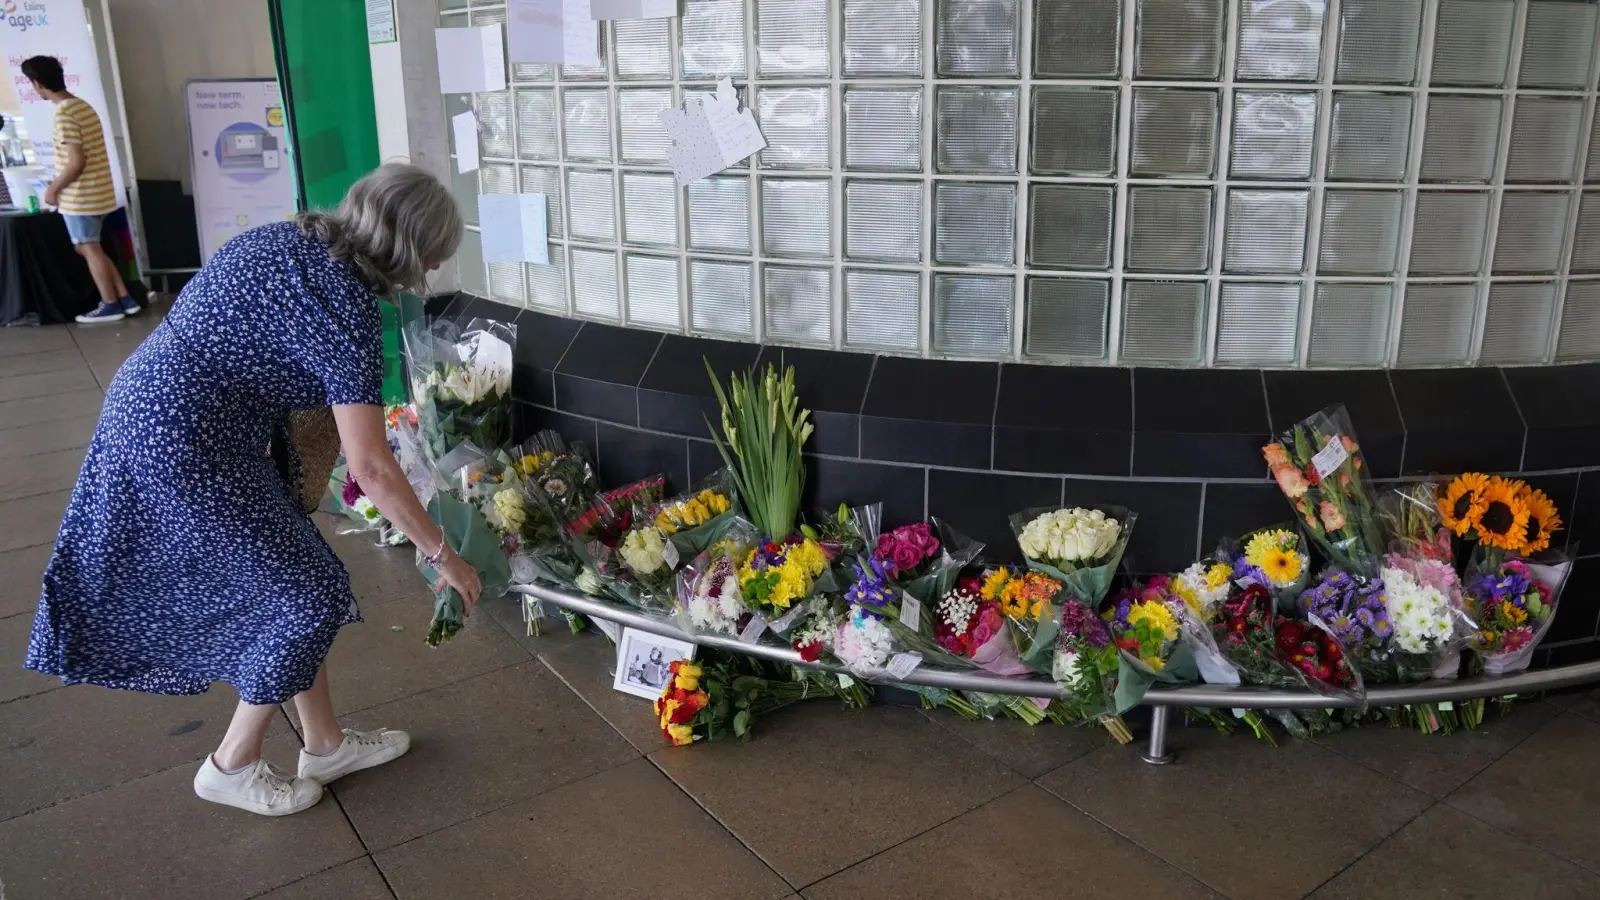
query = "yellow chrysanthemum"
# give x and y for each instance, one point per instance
(1462, 503)
(994, 583)
(1281, 566)
(809, 556)
(1218, 575)
(1157, 616)
(1504, 522)
(1267, 542)
(1185, 591)
(1543, 520)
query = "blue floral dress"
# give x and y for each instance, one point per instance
(184, 557)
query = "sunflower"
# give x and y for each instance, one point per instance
(1462, 503)
(993, 582)
(1543, 520)
(1504, 521)
(1282, 567)
(1012, 600)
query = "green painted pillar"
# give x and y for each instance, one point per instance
(326, 73)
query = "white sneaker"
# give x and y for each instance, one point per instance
(261, 788)
(359, 750)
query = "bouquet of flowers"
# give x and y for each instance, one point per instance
(1086, 663)
(1146, 626)
(695, 520)
(864, 642)
(359, 508)
(1318, 465)
(723, 696)
(763, 432)
(709, 599)
(1500, 514)
(1276, 559)
(461, 386)
(1512, 605)
(848, 534)
(908, 573)
(619, 519)
(1030, 603)
(1080, 548)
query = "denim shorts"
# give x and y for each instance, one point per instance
(83, 229)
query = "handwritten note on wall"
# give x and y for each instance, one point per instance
(710, 134)
(552, 31)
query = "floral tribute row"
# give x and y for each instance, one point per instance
(1357, 587)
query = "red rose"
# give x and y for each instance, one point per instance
(810, 651)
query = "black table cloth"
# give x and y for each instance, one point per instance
(40, 272)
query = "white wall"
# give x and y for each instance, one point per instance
(163, 43)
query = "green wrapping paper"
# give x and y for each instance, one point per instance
(470, 534)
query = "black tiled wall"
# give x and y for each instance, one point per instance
(972, 443)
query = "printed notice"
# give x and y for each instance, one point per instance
(1330, 458)
(910, 612)
(465, 127)
(633, 9)
(514, 228)
(752, 630)
(552, 31)
(471, 60)
(903, 664)
(380, 22)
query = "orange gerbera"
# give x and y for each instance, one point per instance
(1461, 503)
(1504, 522)
(1543, 520)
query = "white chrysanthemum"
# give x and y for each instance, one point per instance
(367, 510)
(1419, 613)
(1076, 536)
(1195, 580)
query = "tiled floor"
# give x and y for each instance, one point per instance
(530, 777)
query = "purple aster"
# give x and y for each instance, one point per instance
(1381, 628)
(1366, 616)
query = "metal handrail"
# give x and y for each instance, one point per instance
(1199, 695)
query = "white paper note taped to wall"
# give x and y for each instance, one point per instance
(552, 31)
(515, 227)
(710, 134)
(633, 9)
(465, 128)
(471, 60)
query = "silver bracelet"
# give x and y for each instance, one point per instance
(438, 555)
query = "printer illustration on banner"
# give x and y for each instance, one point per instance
(251, 150)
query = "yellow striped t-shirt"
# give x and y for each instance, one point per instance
(93, 193)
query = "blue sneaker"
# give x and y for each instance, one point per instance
(130, 306)
(107, 312)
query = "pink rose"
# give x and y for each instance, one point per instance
(987, 624)
(906, 547)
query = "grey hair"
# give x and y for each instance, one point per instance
(395, 224)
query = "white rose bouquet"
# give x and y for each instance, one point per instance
(1080, 547)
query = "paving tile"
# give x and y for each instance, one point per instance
(477, 745)
(355, 880)
(587, 666)
(15, 681)
(983, 854)
(46, 384)
(1586, 705)
(46, 438)
(152, 839)
(553, 632)
(34, 363)
(1438, 764)
(1227, 798)
(69, 742)
(46, 473)
(622, 834)
(1458, 856)
(821, 788)
(32, 520)
(377, 574)
(1030, 751)
(1545, 791)
(28, 341)
(38, 410)
(24, 574)
(372, 664)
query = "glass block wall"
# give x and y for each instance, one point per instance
(1279, 183)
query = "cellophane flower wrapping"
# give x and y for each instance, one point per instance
(847, 535)
(1146, 626)
(1512, 604)
(604, 538)
(1394, 627)
(694, 520)
(708, 596)
(1081, 547)
(557, 482)
(1320, 469)
(1276, 558)
(353, 503)
(461, 392)
(461, 385)
(920, 561)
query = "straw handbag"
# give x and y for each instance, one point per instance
(315, 439)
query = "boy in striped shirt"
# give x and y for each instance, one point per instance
(83, 190)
